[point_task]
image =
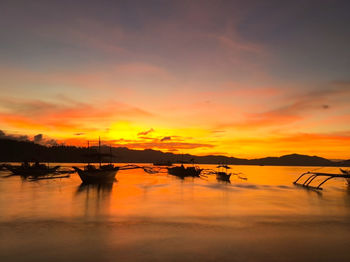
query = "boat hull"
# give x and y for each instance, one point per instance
(98, 176)
(185, 172)
(31, 171)
(223, 176)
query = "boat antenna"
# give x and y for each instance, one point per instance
(99, 149)
(88, 148)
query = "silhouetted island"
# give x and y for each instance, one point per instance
(18, 151)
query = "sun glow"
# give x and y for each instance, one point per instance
(213, 87)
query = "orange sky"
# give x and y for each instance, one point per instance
(203, 78)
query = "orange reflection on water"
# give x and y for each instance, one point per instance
(268, 191)
(145, 216)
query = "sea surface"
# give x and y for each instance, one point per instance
(259, 216)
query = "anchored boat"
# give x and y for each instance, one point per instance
(182, 171)
(311, 176)
(97, 175)
(92, 175)
(32, 170)
(223, 175)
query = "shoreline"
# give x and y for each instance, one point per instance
(150, 163)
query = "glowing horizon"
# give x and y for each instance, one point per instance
(206, 77)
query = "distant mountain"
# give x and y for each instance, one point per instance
(293, 160)
(18, 151)
(344, 163)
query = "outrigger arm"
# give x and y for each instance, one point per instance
(313, 175)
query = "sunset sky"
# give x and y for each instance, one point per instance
(237, 78)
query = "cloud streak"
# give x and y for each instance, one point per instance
(185, 68)
(166, 138)
(146, 132)
(297, 108)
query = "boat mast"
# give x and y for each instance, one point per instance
(88, 148)
(99, 149)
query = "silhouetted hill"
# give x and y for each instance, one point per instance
(293, 160)
(344, 163)
(18, 151)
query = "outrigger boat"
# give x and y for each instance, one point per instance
(92, 175)
(311, 176)
(223, 175)
(34, 170)
(97, 175)
(181, 171)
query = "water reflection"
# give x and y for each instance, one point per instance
(222, 181)
(318, 193)
(94, 198)
(101, 190)
(166, 217)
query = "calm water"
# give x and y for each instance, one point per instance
(159, 217)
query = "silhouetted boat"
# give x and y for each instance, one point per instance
(223, 175)
(32, 170)
(163, 163)
(103, 174)
(311, 176)
(92, 175)
(182, 171)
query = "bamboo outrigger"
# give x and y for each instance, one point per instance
(312, 175)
